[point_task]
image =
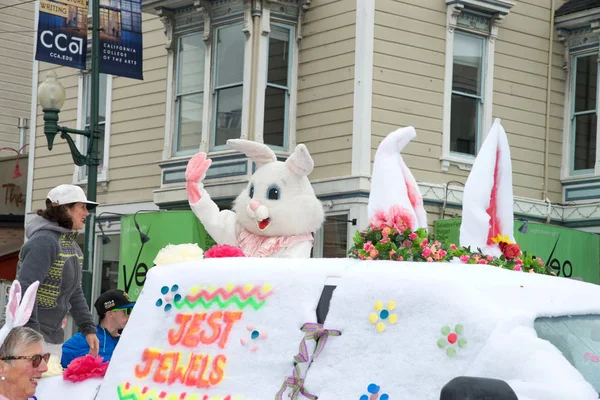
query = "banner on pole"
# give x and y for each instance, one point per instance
(121, 38)
(62, 32)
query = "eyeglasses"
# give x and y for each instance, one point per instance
(127, 310)
(36, 359)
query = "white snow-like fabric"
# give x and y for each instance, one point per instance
(392, 183)
(495, 309)
(243, 315)
(488, 195)
(56, 387)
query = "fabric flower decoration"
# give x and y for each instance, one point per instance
(85, 367)
(223, 250)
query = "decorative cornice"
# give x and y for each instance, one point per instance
(167, 17)
(491, 7)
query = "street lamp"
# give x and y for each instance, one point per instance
(51, 96)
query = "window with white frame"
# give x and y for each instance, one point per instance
(469, 76)
(277, 93)
(228, 84)
(189, 93)
(584, 116)
(467, 93)
(103, 117)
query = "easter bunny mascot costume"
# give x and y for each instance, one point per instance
(275, 216)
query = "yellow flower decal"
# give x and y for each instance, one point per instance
(383, 314)
(502, 239)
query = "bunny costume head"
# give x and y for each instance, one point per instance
(274, 216)
(17, 311)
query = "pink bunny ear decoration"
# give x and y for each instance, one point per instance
(392, 183)
(300, 162)
(17, 311)
(488, 196)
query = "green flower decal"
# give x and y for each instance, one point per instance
(452, 339)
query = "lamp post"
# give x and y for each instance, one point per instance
(51, 96)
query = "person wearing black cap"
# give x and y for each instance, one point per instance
(113, 307)
(52, 256)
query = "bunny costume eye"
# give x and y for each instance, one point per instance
(273, 193)
(251, 193)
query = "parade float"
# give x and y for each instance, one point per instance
(408, 314)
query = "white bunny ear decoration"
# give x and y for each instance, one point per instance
(17, 311)
(260, 153)
(392, 183)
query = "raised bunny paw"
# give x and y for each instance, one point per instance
(194, 174)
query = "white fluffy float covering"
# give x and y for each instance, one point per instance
(495, 307)
(492, 168)
(392, 182)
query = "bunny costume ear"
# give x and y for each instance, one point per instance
(17, 311)
(260, 153)
(392, 183)
(300, 162)
(488, 195)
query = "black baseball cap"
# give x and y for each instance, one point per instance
(112, 299)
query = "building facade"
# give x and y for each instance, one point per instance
(338, 75)
(16, 47)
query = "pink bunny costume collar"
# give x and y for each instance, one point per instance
(254, 245)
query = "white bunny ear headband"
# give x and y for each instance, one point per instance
(17, 311)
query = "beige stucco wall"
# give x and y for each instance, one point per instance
(137, 129)
(16, 48)
(408, 87)
(326, 86)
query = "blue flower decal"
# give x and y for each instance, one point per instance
(373, 391)
(168, 296)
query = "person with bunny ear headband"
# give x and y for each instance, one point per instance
(52, 256)
(22, 357)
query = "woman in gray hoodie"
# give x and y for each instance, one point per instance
(52, 256)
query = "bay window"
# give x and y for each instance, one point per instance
(584, 116)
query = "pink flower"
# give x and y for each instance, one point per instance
(385, 240)
(400, 218)
(392, 252)
(373, 253)
(413, 236)
(465, 258)
(400, 258)
(378, 220)
(368, 247)
(361, 256)
(430, 259)
(406, 243)
(386, 231)
(426, 252)
(517, 268)
(490, 258)
(482, 262)
(539, 261)
(442, 253)
(453, 246)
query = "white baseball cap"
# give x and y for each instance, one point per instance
(67, 194)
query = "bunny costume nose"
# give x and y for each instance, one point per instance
(254, 204)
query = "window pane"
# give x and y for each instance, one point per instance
(87, 87)
(191, 64)
(279, 56)
(274, 126)
(585, 83)
(464, 124)
(585, 141)
(190, 122)
(229, 115)
(335, 237)
(468, 64)
(230, 55)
